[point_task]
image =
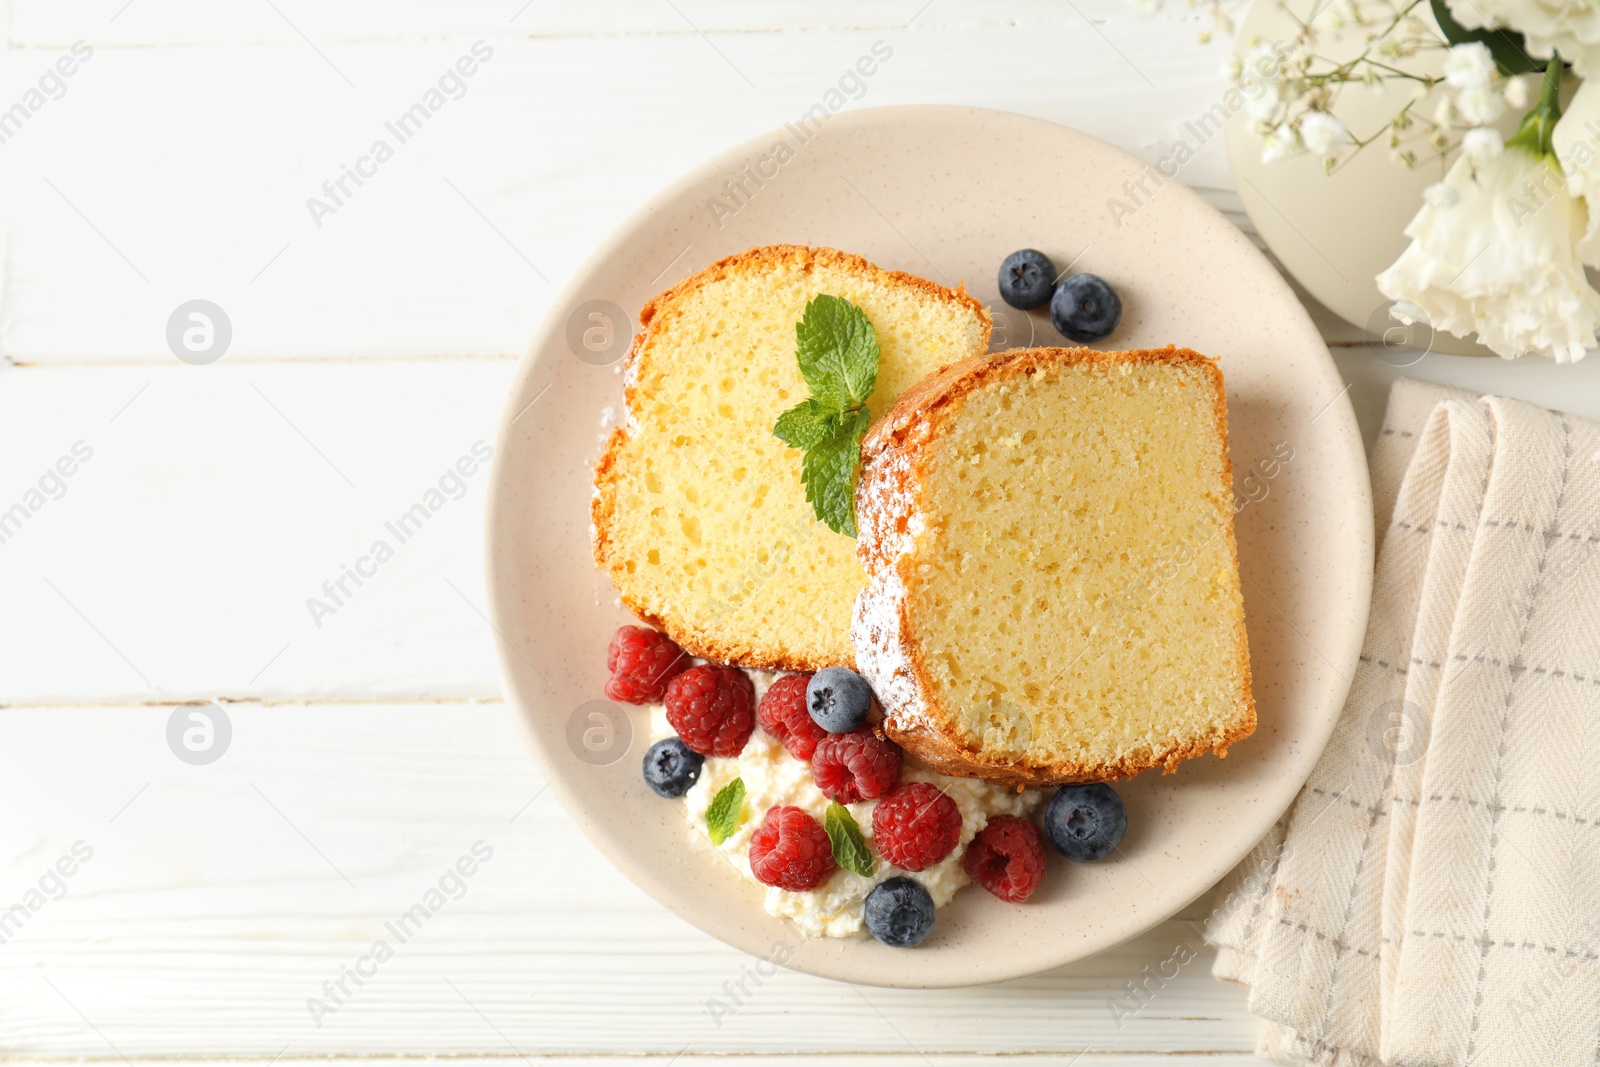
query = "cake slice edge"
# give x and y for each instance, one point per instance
(889, 522)
(604, 514)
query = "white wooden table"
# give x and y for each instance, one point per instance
(209, 905)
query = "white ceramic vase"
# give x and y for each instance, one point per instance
(1336, 232)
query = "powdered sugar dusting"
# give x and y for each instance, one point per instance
(880, 654)
(889, 524)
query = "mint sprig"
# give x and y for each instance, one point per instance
(725, 812)
(850, 849)
(807, 425)
(838, 353)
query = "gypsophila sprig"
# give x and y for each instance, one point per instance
(1290, 88)
(1433, 113)
(1501, 244)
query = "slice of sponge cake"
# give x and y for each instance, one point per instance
(1054, 593)
(700, 518)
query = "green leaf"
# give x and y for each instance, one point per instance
(726, 811)
(1510, 51)
(829, 470)
(838, 352)
(850, 849)
(806, 425)
(1538, 126)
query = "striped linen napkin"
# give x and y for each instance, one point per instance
(1433, 896)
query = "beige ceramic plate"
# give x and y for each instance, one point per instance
(946, 193)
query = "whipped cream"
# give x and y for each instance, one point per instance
(772, 777)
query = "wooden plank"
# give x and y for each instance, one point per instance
(460, 241)
(39, 23)
(691, 1059)
(180, 556)
(218, 899)
(178, 560)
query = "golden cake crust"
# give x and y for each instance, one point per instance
(604, 516)
(886, 505)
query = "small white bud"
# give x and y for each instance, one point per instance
(1440, 196)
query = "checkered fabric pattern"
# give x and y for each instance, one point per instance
(1433, 896)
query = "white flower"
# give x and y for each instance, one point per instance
(1576, 145)
(1322, 133)
(1278, 143)
(1262, 64)
(1407, 313)
(1570, 26)
(1479, 104)
(1517, 92)
(1263, 104)
(1502, 262)
(1482, 144)
(1261, 80)
(1468, 65)
(1440, 196)
(1444, 112)
(1263, 59)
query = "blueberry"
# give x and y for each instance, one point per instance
(670, 767)
(838, 699)
(1086, 822)
(899, 912)
(1026, 278)
(1084, 308)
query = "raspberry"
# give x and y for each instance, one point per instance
(712, 708)
(782, 713)
(642, 661)
(915, 826)
(791, 850)
(1006, 858)
(853, 766)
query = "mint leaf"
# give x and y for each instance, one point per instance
(806, 425)
(828, 471)
(726, 811)
(838, 352)
(849, 846)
